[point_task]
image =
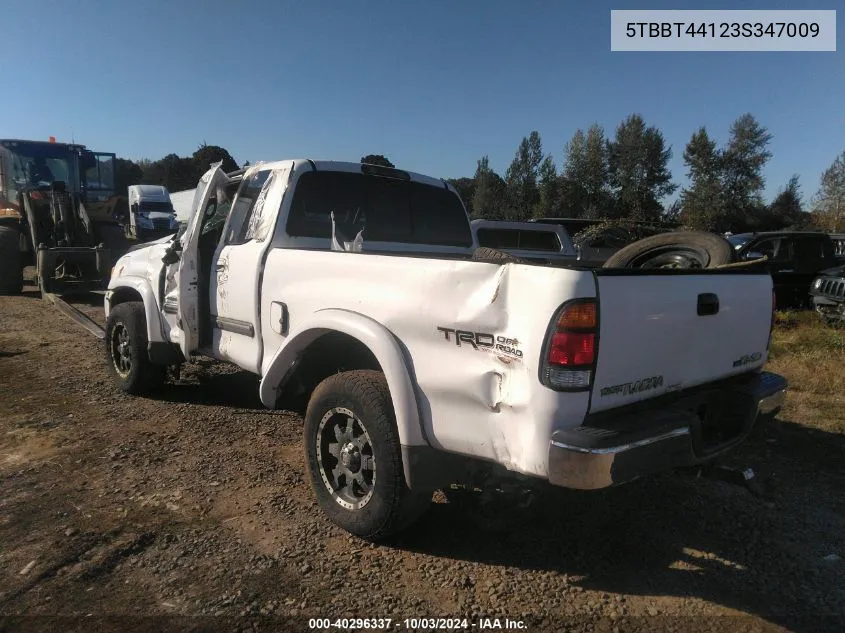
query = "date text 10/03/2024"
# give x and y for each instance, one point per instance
(412, 624)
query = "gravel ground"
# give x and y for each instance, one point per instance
(191, 511)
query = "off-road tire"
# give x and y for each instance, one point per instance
(141, 376)
(493, 256)
(11, 266)
(710, 249)
(392, 507)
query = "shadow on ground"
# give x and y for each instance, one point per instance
(673, 535)
(680, 536)
(213, 383)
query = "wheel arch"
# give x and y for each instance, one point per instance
(368, 335)
(126, 289)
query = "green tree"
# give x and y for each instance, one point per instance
(829, 200)
(596, 175)
(175, 173)
(787, 210)
(584, 178)
(489, 195)
(127, 172)
(702, 203)
(521, 178)
(743, 160)
(206, 155)
(377, 159)
(465, 188)
(549, 189)
(638, 170)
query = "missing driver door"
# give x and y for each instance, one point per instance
(235, 292)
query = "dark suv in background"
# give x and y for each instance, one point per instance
(795, 259)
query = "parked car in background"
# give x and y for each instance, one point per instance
(828, 295)
(795, 258)
(530, 241)
(596, 240)
(839, 244)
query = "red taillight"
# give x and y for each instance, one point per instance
(572, 348)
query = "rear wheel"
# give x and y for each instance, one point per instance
(677, 249)
(11, 265)
(354, 457)
(126, 350)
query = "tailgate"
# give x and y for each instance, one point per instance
(663, 332)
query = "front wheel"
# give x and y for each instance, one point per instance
(126, 350)
(354, 457)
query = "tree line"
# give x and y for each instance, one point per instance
(623, 177)
(177, 173)
(627, 177)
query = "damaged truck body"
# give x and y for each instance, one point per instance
(422, 363)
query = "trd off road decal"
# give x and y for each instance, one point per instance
(747, 359)
(483, 341)
(629, 388)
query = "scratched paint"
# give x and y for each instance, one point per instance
(222, 280)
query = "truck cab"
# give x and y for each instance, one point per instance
(151, 214)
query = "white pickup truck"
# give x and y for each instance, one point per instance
(424, 364)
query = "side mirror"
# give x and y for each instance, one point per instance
(171, 255)
(752, 255)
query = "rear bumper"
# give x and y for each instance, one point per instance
(616, 447)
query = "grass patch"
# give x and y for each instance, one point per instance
(811, 356)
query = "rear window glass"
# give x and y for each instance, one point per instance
(498, 238)
(519, 240)
(386, 209)
(538, 241)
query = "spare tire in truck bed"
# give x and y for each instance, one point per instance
(493, 256)
(11, 269)
(676, 249)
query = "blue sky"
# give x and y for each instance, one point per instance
(433, 85)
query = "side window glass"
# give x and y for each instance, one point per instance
(217, 211)
(258, 226)
(777, 249)
(248, 209)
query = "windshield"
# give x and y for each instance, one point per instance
(147, 206)
(35, 165)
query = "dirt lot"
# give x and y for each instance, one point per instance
(190, 511)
